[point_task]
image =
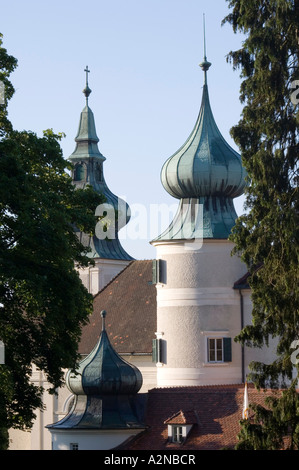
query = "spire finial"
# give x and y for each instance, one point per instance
(103, 315)
(205, 65)
(204, 36)
(87, 90)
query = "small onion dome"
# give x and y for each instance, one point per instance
(205, 165)
(104, 372)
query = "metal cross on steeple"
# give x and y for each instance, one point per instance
(87, 72)
(87, 90)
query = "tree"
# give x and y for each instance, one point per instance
(43, 303)
(267, 134)
(274, 426)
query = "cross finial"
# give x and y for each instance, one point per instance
(87, 90)
(87, 72)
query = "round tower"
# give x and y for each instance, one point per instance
(198, 311)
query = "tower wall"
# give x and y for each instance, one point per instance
(196, 302)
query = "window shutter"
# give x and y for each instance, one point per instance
(156, 350)
(158, 271)
(227, 349)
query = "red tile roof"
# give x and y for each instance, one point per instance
(182, 417)
(130, 302)
(218, 410)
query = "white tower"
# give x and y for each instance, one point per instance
(198, 311)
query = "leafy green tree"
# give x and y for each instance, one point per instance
(43, 303)
(267, 135)
(7, 65)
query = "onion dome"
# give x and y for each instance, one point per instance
(87, 170)
(104, 372)
(205, 165)
(205, 174)
(104, 387)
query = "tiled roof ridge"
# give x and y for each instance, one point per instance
(185, 415)
(174, 415)
(134, 261)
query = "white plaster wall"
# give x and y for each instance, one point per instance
(96, 277)
(89, 439)
(195, 301)
(210, 264)
(37, 438)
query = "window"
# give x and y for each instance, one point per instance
(159, 271)
(99, 172)
(74, 446)
(215, 349)
(79, 172)
(219, 350)
(177, 434)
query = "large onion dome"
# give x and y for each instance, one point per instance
(205, 174)
(205, 165)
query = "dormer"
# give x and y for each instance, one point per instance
(179, 426)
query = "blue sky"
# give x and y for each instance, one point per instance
(143, 57)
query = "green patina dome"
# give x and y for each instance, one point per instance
(104, 372)
(205, 165)
(104, 389)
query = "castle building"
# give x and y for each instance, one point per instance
(173, 319)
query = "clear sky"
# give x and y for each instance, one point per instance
(143, 57)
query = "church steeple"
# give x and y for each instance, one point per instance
(88, 169)
(86, 139)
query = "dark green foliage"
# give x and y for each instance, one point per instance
(43, 303)
(274, 427)
(267, 135)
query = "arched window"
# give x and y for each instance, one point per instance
(99, 173)
(79, 173)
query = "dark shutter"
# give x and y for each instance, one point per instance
(156, 350)
(227, 349)
(157, 271)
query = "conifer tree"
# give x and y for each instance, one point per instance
(267, 235)
(43, 303)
